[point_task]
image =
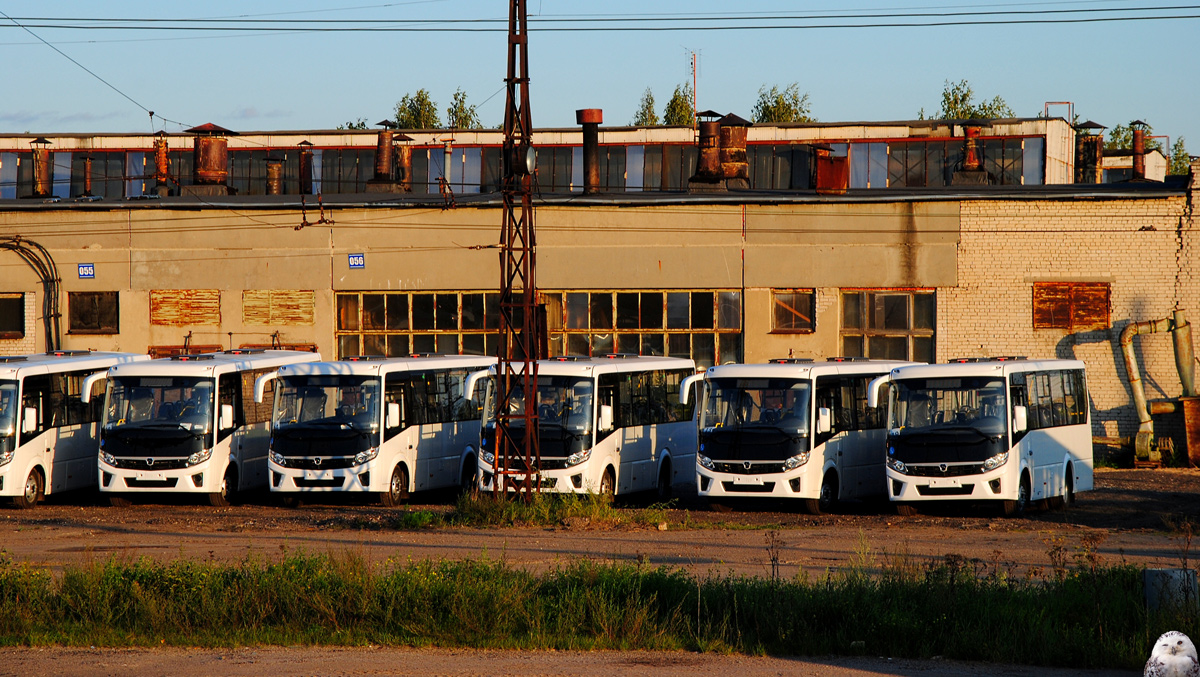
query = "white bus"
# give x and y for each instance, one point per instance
(47, 428)
(793, 428)
(999, 429)
(188, 424)
(610, 424)
(374, 424)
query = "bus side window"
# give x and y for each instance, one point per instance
(827, 398)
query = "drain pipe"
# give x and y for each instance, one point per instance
(1184, 362)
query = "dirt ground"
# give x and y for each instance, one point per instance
(1137, 516)
(1133, 516)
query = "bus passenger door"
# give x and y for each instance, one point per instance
(831, 442)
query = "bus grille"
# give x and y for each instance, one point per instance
(303, 463)
(748, 468)
(144, 463)
(335, 483)
(950, 471)
(764, 488)
(964, 490)
(168, 483)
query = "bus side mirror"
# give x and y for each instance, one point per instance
(393, 415)
(29, 422)
(824, 420)
(685, 387)
(226, 420)
(260, 385)
(606, 417)
(1020, 419)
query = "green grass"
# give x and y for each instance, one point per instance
(1079, 614)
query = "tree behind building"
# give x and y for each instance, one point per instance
(788, 105)
(645, 116)
(679, 110)
(417, 111)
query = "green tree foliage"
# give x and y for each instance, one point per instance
(958, 103)
(360, 123)
(417, 111)
(645, 116)
(1121, 138)
(679, 111)
(459, 115)
(1180, 160)
(788, 105)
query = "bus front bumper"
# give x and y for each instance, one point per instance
(365, 477)
(789, 484)
(991, 485)
(203, 478)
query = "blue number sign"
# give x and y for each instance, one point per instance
(358, 260)
(87, 271)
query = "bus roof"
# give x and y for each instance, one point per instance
(804, 368)
(373, 366)
(997, 367)
(211, 364)
(17, 366)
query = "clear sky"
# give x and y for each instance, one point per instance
(259, 79)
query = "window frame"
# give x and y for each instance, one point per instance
(17, 301)
(865, 331)
(777, 304)
(75, 298)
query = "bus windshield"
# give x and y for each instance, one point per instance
(746, 403)
(563, 401)
(932, 404)
(328, 401)
(8, 408)
(160, 401)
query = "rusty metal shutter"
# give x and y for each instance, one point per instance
(275, 307)
(1074, 306)
(1089, 306)
(183, 307)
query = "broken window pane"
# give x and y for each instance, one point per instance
(702, 310)
(627, 311)
(422, 312)
(652, 310)
(397, 311)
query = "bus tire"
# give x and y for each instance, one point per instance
(826, 500)
(664, 480)
(608, 483)
(906, 509)
(33, 490)
(1016, 508)
(119, 501)
(220, 498)
(469, 481)
(397, 491)
(1069, 494)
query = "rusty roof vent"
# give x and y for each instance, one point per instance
(708, 176)
(210, 161)
(42, 167)
(1139, 150)
(735, 169)
(590, 119)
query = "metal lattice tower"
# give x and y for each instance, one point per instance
(517, 455)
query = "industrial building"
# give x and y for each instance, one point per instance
(923, 240)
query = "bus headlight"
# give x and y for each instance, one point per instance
(704, 461)
(996, 461)
(897, 465)
(487, 457)
(796, 461)
(278, 459)
(364, 456)
(107, 458)
(7, 456)
(579, 457)
(199, 457)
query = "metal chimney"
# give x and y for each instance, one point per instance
(1089, 152)
(383, 155)
(306, 168)
(735, 169)
(210, 160)
(162, 165)
(590, 118)
(971, 162)
(403, 163)
(274, 176)
(1139, 149)
(42, 176)
(708, 176)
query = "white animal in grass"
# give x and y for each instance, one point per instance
(1174, 655)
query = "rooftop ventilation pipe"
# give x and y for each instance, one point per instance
(1139, 149)
(590, 118)
(708, 167)
(734, 167)
(1089, 152)
(306, 168)
(274, 176)
(1185, 363)
(162, 165)
(42, 178)
(210, 160)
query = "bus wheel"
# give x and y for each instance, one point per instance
(33, 490)
(119, 501)
(397, 491)
(1069, 494)
(826, 499)
(220, 498)
(906, 509)
(1017, 508)
(664, 481)
(469, 482)
(608, 483)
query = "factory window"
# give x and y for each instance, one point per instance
(12, 316)
(704, 325)
(701, 324)
(793, 311)
(1074, 306)
(93, 312)
(888, 324)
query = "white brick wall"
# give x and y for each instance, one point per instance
(1144, 248)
